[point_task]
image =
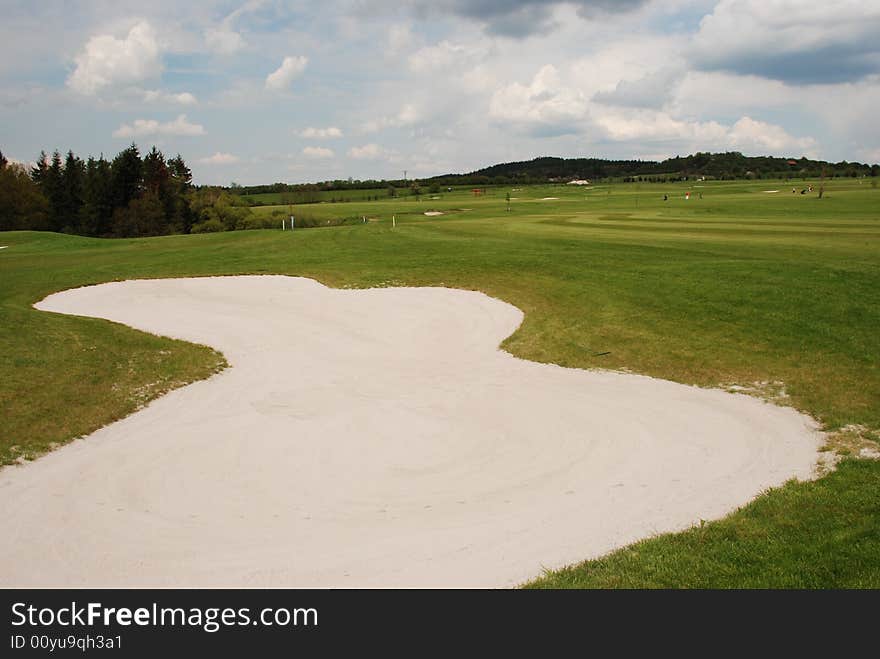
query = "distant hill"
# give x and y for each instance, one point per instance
(730, 165)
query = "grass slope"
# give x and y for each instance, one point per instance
(776, 292)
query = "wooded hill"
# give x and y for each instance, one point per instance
(730, 165)
(724, 166)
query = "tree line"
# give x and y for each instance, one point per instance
(152, 195)
(128, 196)
(724, 166)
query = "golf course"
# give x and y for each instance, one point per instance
(739, 286)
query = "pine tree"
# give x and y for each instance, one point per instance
(157, 181)
(103, 198)
(52, 183)
(97, 209)
(180, 171)
(73, 181)
(126, 176)
(155, 172)
(181, 216)
(38, 172)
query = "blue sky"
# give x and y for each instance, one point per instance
(261, 91)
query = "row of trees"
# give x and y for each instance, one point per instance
(128, 196)
(132, 195)
(307, 189)
(729, 165)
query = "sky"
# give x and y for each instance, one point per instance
(262, 91)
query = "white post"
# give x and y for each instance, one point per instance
(291, 222)
(393, 221)
(282, 225)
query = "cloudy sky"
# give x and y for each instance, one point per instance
(261, 91)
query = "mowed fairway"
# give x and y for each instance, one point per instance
(775, 292)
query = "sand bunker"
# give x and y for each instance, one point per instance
(374, 438)
(548, 198)
(432, 213)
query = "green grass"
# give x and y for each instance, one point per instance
(742, 286)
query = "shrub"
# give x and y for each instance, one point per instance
(208, 226)
(271, 221)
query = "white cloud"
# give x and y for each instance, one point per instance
(715, 92)
(159, 96)
(747, 134)
(107, 61)
(653, 90)
(148, 127)
(366, 152)
(830, 41)
(545, 104)
(408, 115)
(648, 125)
(374, 125)
(291, 67)
(223, 40)
(478, 79)
(399, 38)
(628, 63)
(442, 56)
(311, 133)
(751, 135)
(317, 152)
(219, 158)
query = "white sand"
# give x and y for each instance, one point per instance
(3, 246)
(374, 438)
(433, 213)
(548, 198)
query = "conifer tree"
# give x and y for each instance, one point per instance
(72, 197)
(52, 184)
(126, 176)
